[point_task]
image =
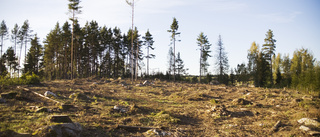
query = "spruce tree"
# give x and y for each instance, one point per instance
(268, 50)
(222, 61)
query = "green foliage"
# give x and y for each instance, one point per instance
(30, 78)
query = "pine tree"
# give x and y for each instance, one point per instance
(148, 42)
(3, 34)
(222, 61)
(15, 36)
(204, 44)
(268, 49)
(136, 52)
(174, 32)
(74, 9)
(132, 4)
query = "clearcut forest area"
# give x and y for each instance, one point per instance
(108, 107)
(80, 78)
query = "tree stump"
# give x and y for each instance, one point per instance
(60, 119)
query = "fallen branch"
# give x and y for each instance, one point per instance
(276, 126)
(25, 89)
(135, 128)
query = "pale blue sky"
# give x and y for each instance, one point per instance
(295, 23)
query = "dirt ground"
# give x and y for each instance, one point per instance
(107, 107)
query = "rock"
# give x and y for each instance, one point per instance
(122, 109)
(49, 93)
(60, 119)
(10, 95)
(304, 128)
(241, 101)
(2, 100)
(309, 131)
(308, 121)
(157, 132)
(62, 130)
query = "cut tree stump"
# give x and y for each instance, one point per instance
(60, 119)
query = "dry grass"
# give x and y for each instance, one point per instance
(175, 107)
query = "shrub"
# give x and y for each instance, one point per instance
(30, 78)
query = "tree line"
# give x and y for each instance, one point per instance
(71, 51)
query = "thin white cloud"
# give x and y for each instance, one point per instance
(279, 17)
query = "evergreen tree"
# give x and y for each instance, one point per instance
(252, 58)
(303, 70)
(276, 69)
(3, 69)
(174, 32)
(204, 44)
(170, 62)
(286, 75)
(74, 9)
(268, 49)
(15, 36)
(222, 61)
(180, 66)
(136, 51)
(53, 40)
(11, 60)
(262, 71)
(3, 33)
(34, 57)
(148, 42)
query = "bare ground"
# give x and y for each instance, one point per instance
(179, 109)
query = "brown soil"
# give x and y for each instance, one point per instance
(181, 109)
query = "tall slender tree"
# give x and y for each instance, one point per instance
(268, 49)
(131, 4)
(3, 33)
(14, 36)
(74, 9)
(170, 62)
(148, 42)
(174, 32)
(204, 44)
(222, 61)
